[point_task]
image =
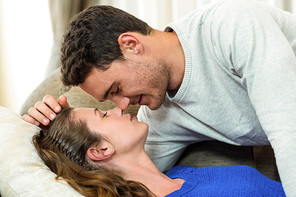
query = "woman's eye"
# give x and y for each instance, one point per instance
(105, 114)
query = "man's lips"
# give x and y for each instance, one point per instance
(140, 99)
(134, 102)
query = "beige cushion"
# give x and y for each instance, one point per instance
(22, 172)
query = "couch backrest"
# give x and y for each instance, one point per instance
(76, 97)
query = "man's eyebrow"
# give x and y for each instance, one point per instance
(108, 91)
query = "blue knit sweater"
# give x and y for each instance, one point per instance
(236, 181)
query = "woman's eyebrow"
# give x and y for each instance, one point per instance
(100, 112)
(95, 111)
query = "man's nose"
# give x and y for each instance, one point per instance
(121, 102)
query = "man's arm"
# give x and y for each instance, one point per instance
(44, 111)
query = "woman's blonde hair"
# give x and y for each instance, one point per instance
(63, 148)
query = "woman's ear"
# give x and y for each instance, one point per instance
(100, 152)
(129, 42)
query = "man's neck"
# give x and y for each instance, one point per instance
(173, 55)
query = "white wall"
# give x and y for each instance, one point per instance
(158, 13)
(27, 39)
(2, 91)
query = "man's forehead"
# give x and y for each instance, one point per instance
(99, 84)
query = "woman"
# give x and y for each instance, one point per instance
(102, 154)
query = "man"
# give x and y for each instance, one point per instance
(225, 72)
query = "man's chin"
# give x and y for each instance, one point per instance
(153, 103)
(153, 106)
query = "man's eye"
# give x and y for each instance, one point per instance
(117, 90)
(105, 114)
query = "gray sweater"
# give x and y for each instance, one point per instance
(239, 85)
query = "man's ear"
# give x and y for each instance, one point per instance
(100, 152)
(129, 42)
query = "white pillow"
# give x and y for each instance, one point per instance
(22, 172)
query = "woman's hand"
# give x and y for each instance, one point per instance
(45, 111)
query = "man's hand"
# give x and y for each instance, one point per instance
(44, 111)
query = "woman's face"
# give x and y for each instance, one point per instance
(122, 130)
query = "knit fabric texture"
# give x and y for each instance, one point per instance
(228, 181)
(238, 86)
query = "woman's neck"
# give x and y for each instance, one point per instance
(144, 171)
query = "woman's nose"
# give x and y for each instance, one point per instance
(115, 112)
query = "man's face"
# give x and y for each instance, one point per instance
(127, 82)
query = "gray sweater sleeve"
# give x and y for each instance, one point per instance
(256, 42)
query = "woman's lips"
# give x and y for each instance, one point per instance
(134, 118)
(131, 117)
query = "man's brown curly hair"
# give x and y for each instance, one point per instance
(91, 41)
